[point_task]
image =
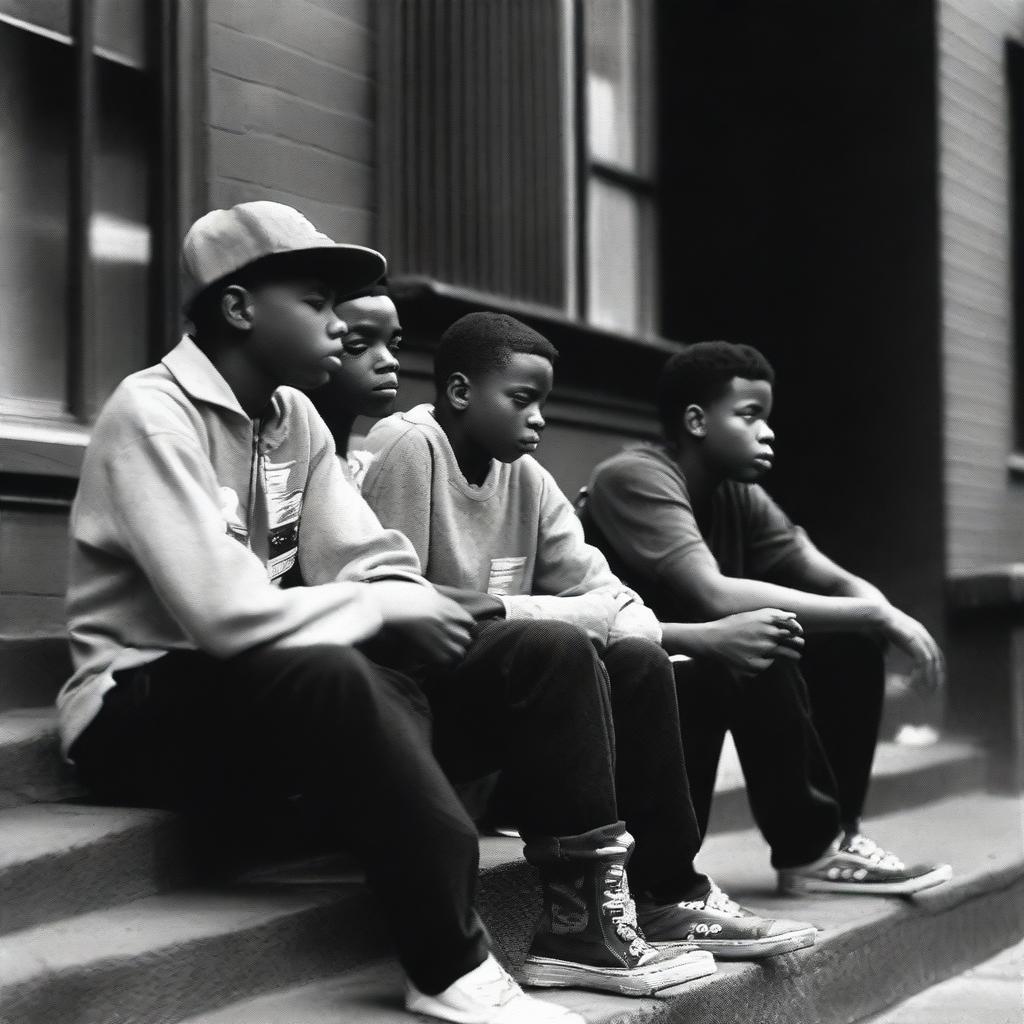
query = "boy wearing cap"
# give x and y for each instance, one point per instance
(688, 523)
(459, 480)
(228, 590)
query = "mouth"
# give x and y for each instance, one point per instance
(389, 387)
(332, 364)
(764, 461)
(529, 444)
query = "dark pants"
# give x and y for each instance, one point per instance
(805, 735)
(353, 739)
(531, 695)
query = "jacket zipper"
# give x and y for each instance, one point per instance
(254, 469)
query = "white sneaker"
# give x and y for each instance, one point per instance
(488, 994)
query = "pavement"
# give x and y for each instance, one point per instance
(991, 993)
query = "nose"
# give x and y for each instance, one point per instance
(387, 361)
(535, 419)
(336, 327)
(766, 434)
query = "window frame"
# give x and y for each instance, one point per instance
(638, 185)
(48, 438)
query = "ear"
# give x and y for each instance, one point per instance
(694, 421)
(236, 306)
(457, 391)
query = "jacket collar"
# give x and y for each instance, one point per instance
(201, 380)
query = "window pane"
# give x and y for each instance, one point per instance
(119, 236)
(119, 26)
(617, 61)
(619, 280)
(52, 15)
(35, 86)
(120, 30)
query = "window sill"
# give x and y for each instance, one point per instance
(41, 448)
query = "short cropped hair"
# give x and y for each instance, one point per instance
(701, 374)
(479, 343)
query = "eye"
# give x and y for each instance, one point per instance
(355, 347)
(316, 300)
(395, 345)
(522, 400)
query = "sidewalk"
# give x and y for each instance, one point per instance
(991, 993)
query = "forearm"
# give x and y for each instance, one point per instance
(686, 638)
(479, 604)
(815, 612)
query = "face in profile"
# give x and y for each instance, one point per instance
(296, 336)
(365, 383)
(737, 441)
(504, 412)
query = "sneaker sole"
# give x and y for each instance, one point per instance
(546, 972)
(907, 887)
(748, 949)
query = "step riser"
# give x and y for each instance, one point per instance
(172, 983)
(730, 811)
(32, 670)
(33, 772)
(124, 866)
(856, 978)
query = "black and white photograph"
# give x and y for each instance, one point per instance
(511, 512)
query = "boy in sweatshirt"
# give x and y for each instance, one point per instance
(229, 591)
(459, 480)
(688, 523)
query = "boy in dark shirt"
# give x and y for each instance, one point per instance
(687, 523)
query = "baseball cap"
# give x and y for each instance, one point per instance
(222, 242)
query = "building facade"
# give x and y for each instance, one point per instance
(835, 183)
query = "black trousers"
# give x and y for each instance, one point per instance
(531, 695)
(352, 740)
(805, 734)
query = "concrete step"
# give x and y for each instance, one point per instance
(870, 952)
(57, 860)
(31, 769)
(902, 776)
(32, 670)
(990, 993)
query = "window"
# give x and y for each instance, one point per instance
(83, 276)
(617, 161)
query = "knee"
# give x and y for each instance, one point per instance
(640, 659)
(554, 639)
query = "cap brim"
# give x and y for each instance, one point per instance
(347, 267)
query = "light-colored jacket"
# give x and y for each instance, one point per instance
(189, 516)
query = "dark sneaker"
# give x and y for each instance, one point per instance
(721, 926)
(588, 938)
(488, 994)
(858, 864)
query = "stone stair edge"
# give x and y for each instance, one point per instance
(316, 913)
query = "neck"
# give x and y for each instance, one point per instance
(340, 425)
(474, 463)
(701, 481)
(252, 388)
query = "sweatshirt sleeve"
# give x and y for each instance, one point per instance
(162, 496)
(398, 484)
(566, 564)
(339, 536)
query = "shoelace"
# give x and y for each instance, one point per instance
(866, 847)
(623, 910)
(715, 900)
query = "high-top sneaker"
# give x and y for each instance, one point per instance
(588, 936)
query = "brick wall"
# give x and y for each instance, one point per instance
(290, 100)
(985, 508)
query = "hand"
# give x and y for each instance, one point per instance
(749, 642)
(929, 671)
(434, 625)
